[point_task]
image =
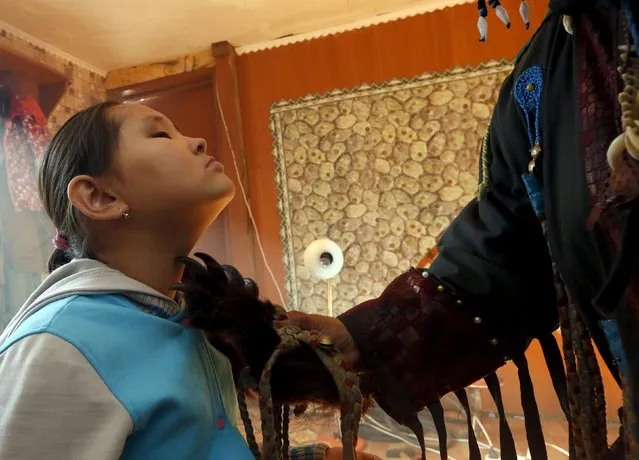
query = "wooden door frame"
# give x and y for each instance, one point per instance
(136, 91)
(238, 229)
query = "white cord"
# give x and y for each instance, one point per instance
(405, 441)
(483, 429)
(559, 449)
(381, 428)
(246, 202)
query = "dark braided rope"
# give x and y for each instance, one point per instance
(347, 384)
(277, 418)
(286, 418)
(269, 441)
(563, 302)
(591, 389)
(585, 386)
(242, 388)
(585, 392)
(573, 381)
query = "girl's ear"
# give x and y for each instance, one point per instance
(94, 199)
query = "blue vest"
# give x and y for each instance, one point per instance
(172, 383)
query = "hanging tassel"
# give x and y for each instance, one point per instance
(482, 26)
(534, 433)
(437, 411)
(501, 12)
(503, 15)
(524, 12)
(473, 446)
(506, 441)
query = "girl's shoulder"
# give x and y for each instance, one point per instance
(84, 318)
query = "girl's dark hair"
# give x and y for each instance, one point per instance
(85, 144)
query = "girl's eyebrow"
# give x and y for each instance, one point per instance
(158, 119)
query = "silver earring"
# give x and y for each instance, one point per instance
(125, 215)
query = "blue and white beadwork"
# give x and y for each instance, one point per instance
(528, 94)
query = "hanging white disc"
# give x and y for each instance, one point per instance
(324, 258)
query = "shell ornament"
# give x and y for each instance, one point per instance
(628, 140)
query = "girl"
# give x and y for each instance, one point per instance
(98, 363)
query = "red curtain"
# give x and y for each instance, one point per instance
(26, 137)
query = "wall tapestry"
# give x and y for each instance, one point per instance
(381, 170)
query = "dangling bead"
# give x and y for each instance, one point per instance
(535, 152)
(482, 26)
(524, 12)
(503, 15)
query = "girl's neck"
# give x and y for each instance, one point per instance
(154, 267)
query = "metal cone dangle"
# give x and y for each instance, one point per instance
(482, 26)
(524, 12)
(502, 14)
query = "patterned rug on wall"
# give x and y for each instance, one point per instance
(381, 170)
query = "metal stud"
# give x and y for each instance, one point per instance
(441, 288)
(326, 341)
(494, 341)
(459, 302)
(416, 289)
(477, 320)
(425, 274)
(530, 87)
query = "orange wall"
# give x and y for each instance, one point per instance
(436, 42)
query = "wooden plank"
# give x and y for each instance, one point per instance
(152, 71)
(240, 235)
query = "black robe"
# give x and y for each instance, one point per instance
(494, 264)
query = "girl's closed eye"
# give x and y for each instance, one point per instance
(161, 134)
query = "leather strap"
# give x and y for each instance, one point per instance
(506, 441)
(437, 411)
(534, 433)
(473, 447)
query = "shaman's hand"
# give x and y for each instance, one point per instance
(332, 329)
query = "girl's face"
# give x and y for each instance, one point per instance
(163, 174)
